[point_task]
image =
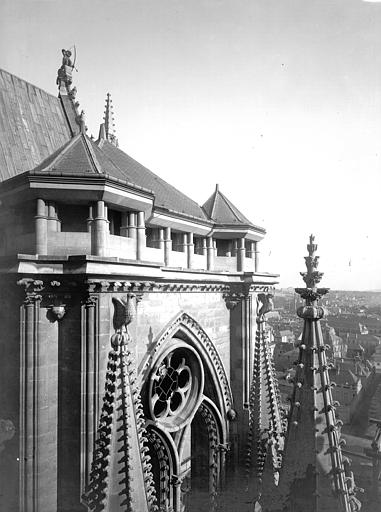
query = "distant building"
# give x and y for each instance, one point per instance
(284, 336)
(376, 359)
(348, 386)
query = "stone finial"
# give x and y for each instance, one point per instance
(312, 277)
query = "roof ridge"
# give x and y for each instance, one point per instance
(214, 202)
(230, 206)
(91, 153)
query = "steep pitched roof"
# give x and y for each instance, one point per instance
(166, 196)
(222, 211)
(33, 125)
(81, 155)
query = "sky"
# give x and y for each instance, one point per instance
(277, 101)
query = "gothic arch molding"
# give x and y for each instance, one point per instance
(199, 339)
(168, 461)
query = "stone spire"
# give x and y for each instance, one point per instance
(266, 426)
(313, 473)
(121, 478)
(106, 129)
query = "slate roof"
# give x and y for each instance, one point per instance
(32, 125)
(345, 377)
(166, 196)
(222, 211)
(39, 131)
(80, 155)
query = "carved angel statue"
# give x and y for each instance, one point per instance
(124, 312)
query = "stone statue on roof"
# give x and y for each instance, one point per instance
(64, 74)
(66, 60)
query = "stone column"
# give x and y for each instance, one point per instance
(132, 225)
(204, 246)
(234, 247)
(99, 231)
(124, 225)
(140, 236)
(176, 482)
(241, 255)
(38, 404)
(41, 228)
(161, 239)
(251, 253)
(89, 385)
(90, 219)
(190, 250)
(209, 253)
(229, 250)
(52, 217)
(167, 246)
(29, 407)
(256, 257)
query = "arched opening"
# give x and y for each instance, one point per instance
(205, 461)
(187, 422)
(164, 466)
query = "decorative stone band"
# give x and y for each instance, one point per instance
(139, 287)
(233, 294)
(311, 312)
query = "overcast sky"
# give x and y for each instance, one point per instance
(278, 101)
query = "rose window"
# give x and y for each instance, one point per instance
(175, 386)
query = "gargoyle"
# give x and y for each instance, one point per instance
(124, 312)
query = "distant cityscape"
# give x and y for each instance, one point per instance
(352, 332)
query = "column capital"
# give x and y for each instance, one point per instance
(233, 298)
(32, 288)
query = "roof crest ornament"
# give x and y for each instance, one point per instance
(312, 277)
(67, 93)
(64, 73)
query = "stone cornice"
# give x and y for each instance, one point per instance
(51, 288)
(231, 292)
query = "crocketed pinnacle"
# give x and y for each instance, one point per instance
(266, 426)
(109, 125)
(312, 476)
(121, 477)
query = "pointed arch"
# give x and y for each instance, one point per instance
(168, 462)
(185, 325)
